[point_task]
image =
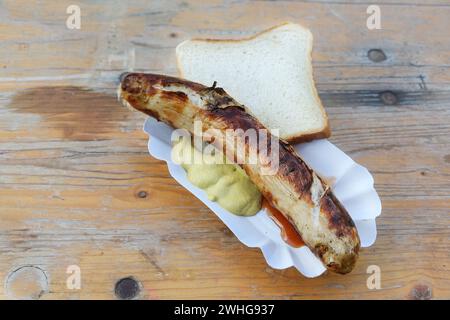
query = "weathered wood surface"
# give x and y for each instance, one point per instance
(77, 185)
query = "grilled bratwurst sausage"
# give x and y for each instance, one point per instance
(295, 190)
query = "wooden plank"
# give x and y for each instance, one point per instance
(77, 185)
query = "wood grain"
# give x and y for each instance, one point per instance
(74, 163)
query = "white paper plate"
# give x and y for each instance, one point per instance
(351, 183)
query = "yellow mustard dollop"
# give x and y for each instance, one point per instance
(226, 184)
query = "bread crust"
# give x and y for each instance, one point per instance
(325, 132)
(295, 189)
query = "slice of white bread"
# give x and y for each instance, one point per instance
(270, 73)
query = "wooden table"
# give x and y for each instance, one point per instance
(78, 187)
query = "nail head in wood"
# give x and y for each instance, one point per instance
(388, 98)
(421, 292)
(142, 194)
(127, 288)
(376, 55)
